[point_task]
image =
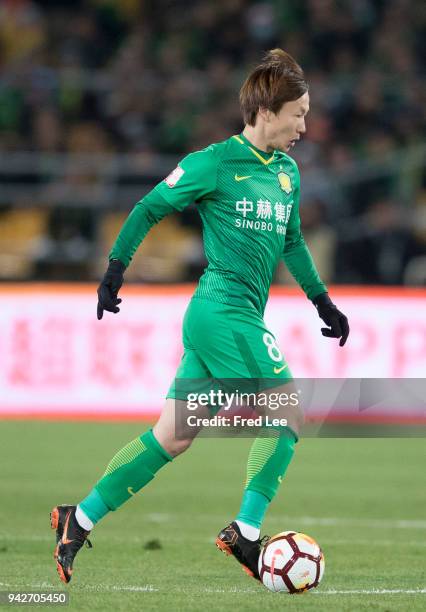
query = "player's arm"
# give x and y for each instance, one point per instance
(298, 260)
(193, 179)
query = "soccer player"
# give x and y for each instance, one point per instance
(247, 191)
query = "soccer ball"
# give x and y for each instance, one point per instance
(291, 562)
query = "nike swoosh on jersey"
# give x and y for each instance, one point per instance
(241, 178)
(278, 370)
(130, 490)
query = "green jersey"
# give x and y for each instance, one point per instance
(248, 201)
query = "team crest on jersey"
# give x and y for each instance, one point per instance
(285, 182)
(174, 176)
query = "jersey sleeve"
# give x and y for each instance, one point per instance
(296, 254)
(193, 179)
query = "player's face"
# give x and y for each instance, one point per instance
(287, 126)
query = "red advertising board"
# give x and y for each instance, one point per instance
(57, 359)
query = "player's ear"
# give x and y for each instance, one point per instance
(264, 113)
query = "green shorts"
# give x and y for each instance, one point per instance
(228, 342)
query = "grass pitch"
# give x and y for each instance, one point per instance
(362, 499)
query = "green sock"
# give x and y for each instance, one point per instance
(128, 471)
(267, 463)
(253, 508)
(94, 507)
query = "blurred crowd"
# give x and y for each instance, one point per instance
(128, 76)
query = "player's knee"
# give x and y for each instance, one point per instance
(295, 414)
(295, 419)
(176, 447)
(300, 418)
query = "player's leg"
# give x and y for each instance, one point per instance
(269, 457)
(243, 348)
(131, 469)
(135, 465)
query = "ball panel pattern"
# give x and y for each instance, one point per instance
(291, 562)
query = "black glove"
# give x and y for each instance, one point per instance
(338, 326)
(109, 288)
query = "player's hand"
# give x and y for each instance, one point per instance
(338, 326)
(109, 288)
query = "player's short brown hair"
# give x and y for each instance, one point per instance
(277, 80)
